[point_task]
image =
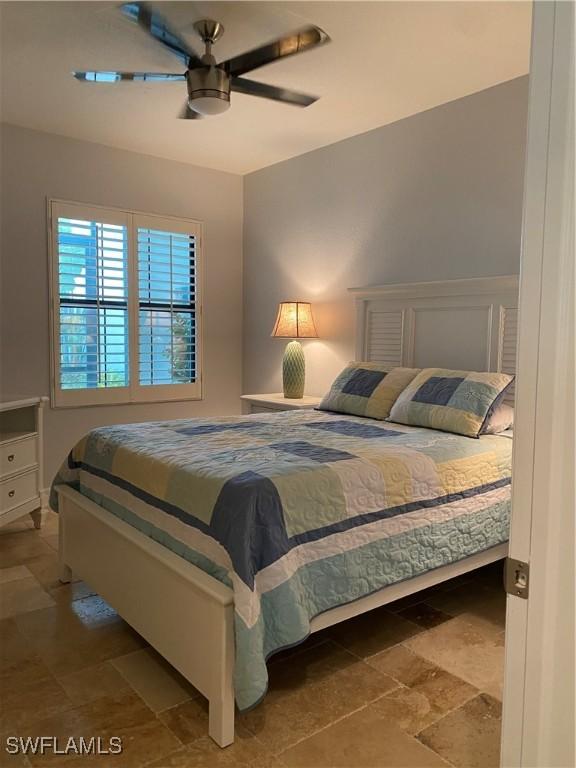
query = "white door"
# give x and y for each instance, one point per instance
(539, 715)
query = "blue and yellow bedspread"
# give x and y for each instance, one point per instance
(298, 512)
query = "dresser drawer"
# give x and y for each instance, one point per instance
(262, 409)
(17, 490)
(18, 455)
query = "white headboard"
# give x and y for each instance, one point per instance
(461, 324)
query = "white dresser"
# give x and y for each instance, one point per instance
(21, 476)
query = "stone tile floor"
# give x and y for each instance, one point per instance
(417, 683)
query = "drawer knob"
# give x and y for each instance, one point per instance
(11, 493)
(11, 457)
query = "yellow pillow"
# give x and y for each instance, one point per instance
(451, 401)
(367, 389)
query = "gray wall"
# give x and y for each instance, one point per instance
(38, 165)
(432, 197)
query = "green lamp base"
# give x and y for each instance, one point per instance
(293, 370)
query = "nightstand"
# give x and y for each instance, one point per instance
(21, 477)
(277, 402)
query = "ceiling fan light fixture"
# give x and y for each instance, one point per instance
(209, 103)
(208, 90)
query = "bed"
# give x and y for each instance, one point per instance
(265, 528)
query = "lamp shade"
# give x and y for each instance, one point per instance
(295, 321)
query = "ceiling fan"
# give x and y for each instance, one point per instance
(209, 83)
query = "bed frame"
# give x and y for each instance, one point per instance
(398, 325)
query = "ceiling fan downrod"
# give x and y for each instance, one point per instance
(209, 85)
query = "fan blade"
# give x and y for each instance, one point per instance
(117, 77)
(252, 88)
(154, 24)
(188, 114)
(297, 42)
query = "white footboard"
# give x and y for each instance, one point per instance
(185, 614)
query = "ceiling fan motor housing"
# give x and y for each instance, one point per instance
(208, 90)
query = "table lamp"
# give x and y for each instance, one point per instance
(294, 321)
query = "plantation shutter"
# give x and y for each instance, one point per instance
(166, 307)
(92, 272)
(125, 306)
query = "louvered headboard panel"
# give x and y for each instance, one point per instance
(461, 324)
(384, 337)
(508, 345)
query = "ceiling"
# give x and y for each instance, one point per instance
(388, 60)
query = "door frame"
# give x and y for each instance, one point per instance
(538, 707)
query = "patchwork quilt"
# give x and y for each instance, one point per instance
(298, 512)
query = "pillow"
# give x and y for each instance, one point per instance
(451, 401)
(499, 420)
(366, 389)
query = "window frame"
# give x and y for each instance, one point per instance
(134, 392)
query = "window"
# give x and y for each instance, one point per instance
(125, 306)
